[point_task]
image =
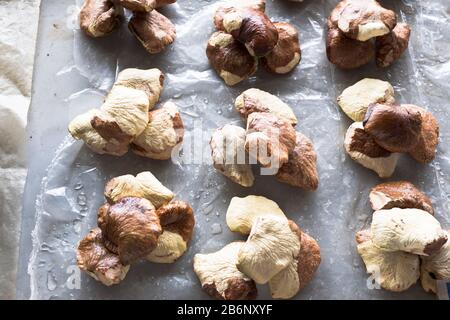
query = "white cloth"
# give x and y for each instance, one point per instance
(18, 25)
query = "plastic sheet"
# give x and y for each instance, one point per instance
(72, 190)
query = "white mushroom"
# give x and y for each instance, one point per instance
(436, 267)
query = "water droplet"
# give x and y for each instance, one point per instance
(78, 186)
(51, 281)
(216, 228)
(81, 199)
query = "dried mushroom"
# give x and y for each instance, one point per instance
(434, 268)
(219, 276)
(98, 17)
(229, 155)
(100, 263)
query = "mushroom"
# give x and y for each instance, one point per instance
(362, 148)
(436, 267)
(271, 247)
(348, 53)
(298, 274)
(229, 58)
(98, 17)
(301, 168)
(394, 271)
(253, 29)
(286, 55)
(392, 45)
(355, 99)
(144, 5)
(229, 155)
(123, 115)
(410, 230)
(255, 100)
(162, 135)
(97, 261)
(177, 221)
(130, 228)
(153, 30)
(269, 139)
(364, 19)
(144, 185)
(425, 150)
(400, 194)
(219, 276)
(227, 6)
(394, 128)
(242, 212)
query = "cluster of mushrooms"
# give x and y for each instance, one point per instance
(383, 129)
(139, 221)
(152, 29)
(245, 35)
(269, 140)
(276, 252)
(125, 121)
(405, 242)
(353, 25)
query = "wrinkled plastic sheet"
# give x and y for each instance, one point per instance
(73, 188)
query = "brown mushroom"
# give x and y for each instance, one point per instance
(363, 149)
(365, 19)
(98, 17)
(287, 54)
(252, 28)
(153, 30)
(301, 168)
(392, 45)
(229, 58)
(348, 53)
(269, 139)
(130, 228)
(395, 128)
(399, 194)
(229, 5)
(425, 149)
(144, 5)
(101, 264)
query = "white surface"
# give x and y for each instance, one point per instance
(18, 22)
(72, 190)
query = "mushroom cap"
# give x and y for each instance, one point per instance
(271, 247)
(365, 19)
(394, 271)
(348, 53)
(399, 194)
(130, 228)
(227, 6)
(269, 139)
(301, 168)
(299, 273)
(177, 221)
(144, 185)
(425, 149)
(164, 132)
(395, 128)
(101, 264)
(229, 58)
(286, 55)
(362, 148)
(144, 5)
(153, 30)
(256, 100)
(253, 29)
(436, 267)
(219, 276)
(410, 230)
(242, 212)
(392, 45)
(98, 17)
(229, 155)
(355, 100)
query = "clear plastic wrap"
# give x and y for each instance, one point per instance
(73, 189)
